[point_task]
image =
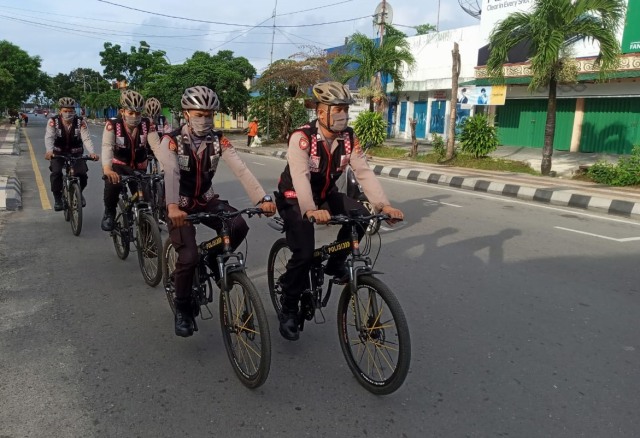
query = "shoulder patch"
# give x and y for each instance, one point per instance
(83, 124)
(304, 143)
(173, 146)
(51, 122)
(152, 127)
(225, 143)
(108, 127)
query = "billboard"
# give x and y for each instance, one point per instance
(482, 95)
(631, 33)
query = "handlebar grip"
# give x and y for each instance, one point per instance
(311, 219)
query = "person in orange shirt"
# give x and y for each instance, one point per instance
(252, 131)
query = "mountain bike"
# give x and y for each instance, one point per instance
(243, 320)
(71, 192)
(156, 189)
(373, 331)
(134, 223)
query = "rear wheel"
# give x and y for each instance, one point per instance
(149, 249)
(279, 255)
(120, 233)
(245, 330)
(379, 352)
(169, 258)
(75, 208)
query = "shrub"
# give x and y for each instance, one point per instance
(439, 148)
(625, 173)
(370, 128)
(478, 137)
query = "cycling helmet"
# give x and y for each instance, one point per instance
(132, 100)
(201, 98)
(152, 107)
(66, 102)
(332, 93)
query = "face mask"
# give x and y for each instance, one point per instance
(67, 117)
(132, 121)
(339, 122)
(200, 126)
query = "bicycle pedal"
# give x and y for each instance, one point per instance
(208, 311)
(318, 320)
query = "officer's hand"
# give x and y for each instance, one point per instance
(94, 157)
(269, 208)
(48, 155)
(177, 217)
(319, 216)
(396, 215)
(112, 176)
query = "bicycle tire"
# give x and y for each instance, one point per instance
(65, 204)
(387, 358)
(120, 233)
(75, 209)
(159, 207)
(149, 245)
(169, 257)
(245, 330)
(279, 255)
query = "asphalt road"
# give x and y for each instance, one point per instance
(524, 323)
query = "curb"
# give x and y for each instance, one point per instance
(10, 193)
(564, 198)
(11, 143)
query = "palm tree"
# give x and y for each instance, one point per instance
(366, 60)
(550, 28)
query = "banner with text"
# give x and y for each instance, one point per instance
(489, 95)
(631, 33)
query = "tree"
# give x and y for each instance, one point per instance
(20, 75)
(365, 59)
(138, 67)
(550, 28)
(423, 29)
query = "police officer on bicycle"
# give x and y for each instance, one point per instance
(67, 134)
(190, 157)
(152, 109)
(124, 149)
(317, 155)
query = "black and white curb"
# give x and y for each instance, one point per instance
(10, 145)
(10, 193)
(560, 197)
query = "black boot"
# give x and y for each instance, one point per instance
(58, 205)
(108, 220)
(289, 322)
(184, 324)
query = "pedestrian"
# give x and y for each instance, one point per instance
(25, 119)
(190, 157)
(252, 131)
(67, 134)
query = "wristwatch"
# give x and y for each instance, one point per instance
(267, 198)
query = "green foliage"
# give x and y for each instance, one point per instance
(439, 147)
(370, 128)
(20, 75)
(625, 173)
(478, 137)
(277, 111)
(423, 29)
(139, 67)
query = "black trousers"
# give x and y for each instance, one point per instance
(249, 139)
(184, 242)
(56, 167)
(300, 237)
(112, 191)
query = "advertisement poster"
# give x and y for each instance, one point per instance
(482, 95)
(631, 33)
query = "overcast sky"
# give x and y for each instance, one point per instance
(69, 34)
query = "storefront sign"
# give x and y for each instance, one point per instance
(489, 95)
(631, 33)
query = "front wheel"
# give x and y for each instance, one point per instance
(169, 258)
(245, 330)
(279, 255)
(74, 208)
(120, 233)
(65, 203)
(379, 352)
(149, 249)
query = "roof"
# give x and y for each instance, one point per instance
(526, 80)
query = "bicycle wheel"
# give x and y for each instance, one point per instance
(279, 255)
(65, 204)
(245, 331)
(169, 258)
(149, 249)
(120, 233)
(75, 208)
(379, 353)
(159, 207)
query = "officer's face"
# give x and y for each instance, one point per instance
(198, 113)
(67, 111)
(323, 110)
(130, 113)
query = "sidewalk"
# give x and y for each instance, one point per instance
(10, 187)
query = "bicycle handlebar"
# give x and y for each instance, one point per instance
(341, 219)
(72, 158)
(198, 217)
(138, 176)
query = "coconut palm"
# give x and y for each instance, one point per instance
(366, 60)
(550, 28)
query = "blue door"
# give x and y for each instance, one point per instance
(403, 116)
(420, 116)
(391, 120)
(436, 123)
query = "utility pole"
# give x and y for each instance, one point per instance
(438, 18)
(378, 77)
(273, 35)
(455, 74)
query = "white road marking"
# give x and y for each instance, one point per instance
(435, 201)
(600, 236)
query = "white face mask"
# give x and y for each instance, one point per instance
(132, 121)
(200, 126)
(67, 117)
(338, 122)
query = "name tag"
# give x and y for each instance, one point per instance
(314, 163)
(120, 142)
(344, 160)
(183, 162)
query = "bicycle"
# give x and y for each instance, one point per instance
(71, 192)
(135, 223)
(243, 320)
(373, 331)
(156, 189)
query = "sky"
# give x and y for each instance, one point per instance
(69, 34)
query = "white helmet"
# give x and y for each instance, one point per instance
(201, 98)
(132, 100)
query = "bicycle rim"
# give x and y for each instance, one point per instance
(245, 330)
(75, 209)
(65, 204)
(169, 258)
(380, 353)
(149, 250)
(120, 233)
(279, 255)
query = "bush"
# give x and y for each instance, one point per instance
(478, 137)
(370, 128)
(439, 148)
(625, 173)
